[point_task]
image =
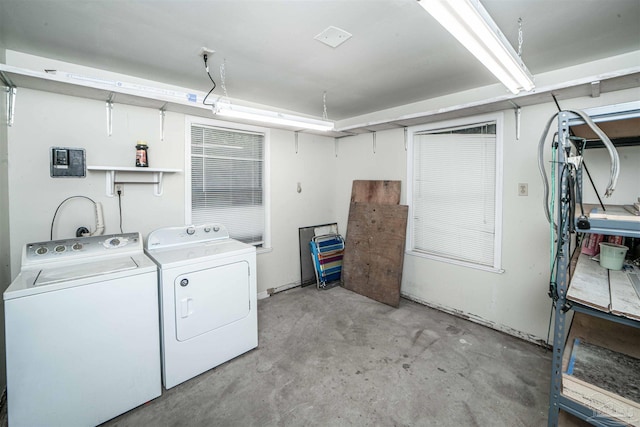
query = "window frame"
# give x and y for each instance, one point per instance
(469, 122)
(266, 194)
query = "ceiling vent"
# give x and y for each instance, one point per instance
(333, 36)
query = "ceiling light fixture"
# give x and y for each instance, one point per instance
(227, 109)
(470, 23)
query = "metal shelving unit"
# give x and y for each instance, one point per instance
(564, 307)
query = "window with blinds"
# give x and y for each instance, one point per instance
(228, 180)
(455, 193)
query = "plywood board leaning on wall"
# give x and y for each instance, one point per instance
(374, 251)
(381, 192)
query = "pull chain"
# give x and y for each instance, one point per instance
(520, 37)
(223, 78)
(324, 104)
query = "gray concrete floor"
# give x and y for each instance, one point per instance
(335, 358)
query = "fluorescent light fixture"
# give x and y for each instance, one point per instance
(469, 22)
(240, 112)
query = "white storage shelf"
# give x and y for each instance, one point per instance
(111, 180)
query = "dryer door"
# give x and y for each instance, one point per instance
(209, 299)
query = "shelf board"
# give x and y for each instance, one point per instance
(186, 101)
(600, 329)
(604, 293)
(132, 169)
(619, 223)
(177, 100)
(111, 171)
(588, 414)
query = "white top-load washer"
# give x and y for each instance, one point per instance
(208, 309)
(82, 331)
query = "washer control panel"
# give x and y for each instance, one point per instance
(172, 236)
(79, 247)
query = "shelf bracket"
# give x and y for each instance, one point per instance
(157, 184)
(12, 91)
(406, 138)
(11, 104)
(110, 113)
(110, 181)
(163, 111)
(518, 112)
(112, 171)
(595, 89)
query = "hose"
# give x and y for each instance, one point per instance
(613, 155)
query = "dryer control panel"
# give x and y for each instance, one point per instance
(188, 234)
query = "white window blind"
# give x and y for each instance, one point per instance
(454, 194)
(227, 181)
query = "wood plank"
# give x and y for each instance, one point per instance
(374, 251)
(624, 300)
(601, 401)
(381, 192)
(590, 284)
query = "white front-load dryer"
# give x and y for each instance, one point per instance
(208, 307)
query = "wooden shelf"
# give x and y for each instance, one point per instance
(111, 174)
(609, 291)
(590, 401)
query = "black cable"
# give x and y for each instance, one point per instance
(579, 183)
(60, 205)
(120, 209)
(593, 185)
(556, 101)
(553, 306)
(571, 187)
(206, 67)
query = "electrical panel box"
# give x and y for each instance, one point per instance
(68, 162)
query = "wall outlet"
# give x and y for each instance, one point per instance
(523, 189)
(120, 189)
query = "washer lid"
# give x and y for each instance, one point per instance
(79, 271)
(49, 277)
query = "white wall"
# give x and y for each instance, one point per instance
(45, 119)
(5, 272)
(515, 301)
(290, 210)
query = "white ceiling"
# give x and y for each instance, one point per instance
(398, 54)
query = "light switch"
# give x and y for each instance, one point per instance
(523, 189)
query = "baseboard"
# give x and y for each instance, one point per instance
(479, 320)
(282, 288)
